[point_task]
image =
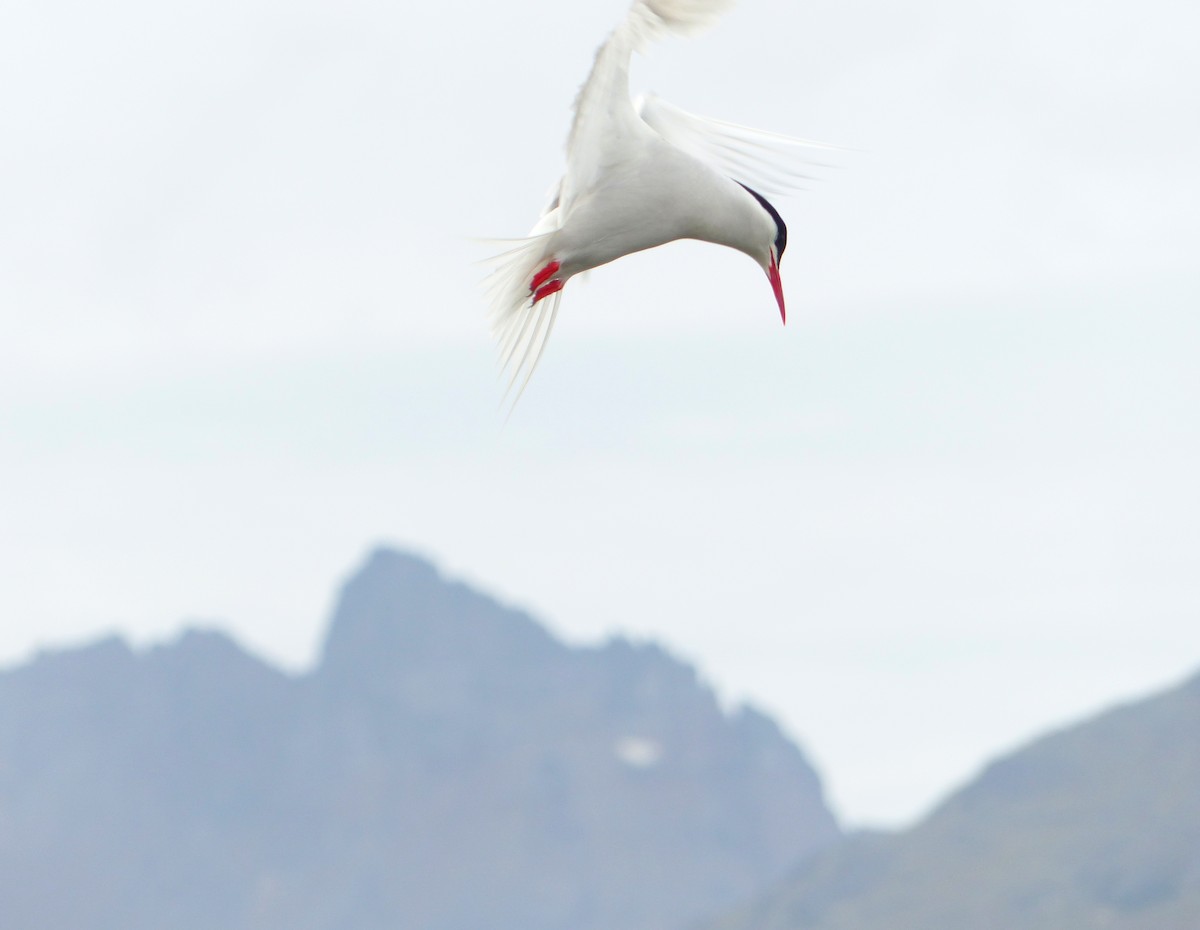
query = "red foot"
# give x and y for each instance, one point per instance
(546, 290)
(543, 276)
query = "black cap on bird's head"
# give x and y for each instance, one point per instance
(777, 250)
(780, 225)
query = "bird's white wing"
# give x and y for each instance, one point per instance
(606, 125)
(766, 161)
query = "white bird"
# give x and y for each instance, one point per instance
(640, 174)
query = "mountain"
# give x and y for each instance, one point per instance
(1096, 826)
(447, 765)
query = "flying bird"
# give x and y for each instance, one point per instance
(639, 174)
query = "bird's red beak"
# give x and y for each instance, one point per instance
(777, 286)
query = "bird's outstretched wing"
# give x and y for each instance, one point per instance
(766, 161)
(606, 124)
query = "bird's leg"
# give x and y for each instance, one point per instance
(546, 290)
(543, 276)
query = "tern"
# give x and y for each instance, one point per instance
(639, 174)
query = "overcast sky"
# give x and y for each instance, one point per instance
(951, 504)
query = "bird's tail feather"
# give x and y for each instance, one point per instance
(520, 326)
(530, 343)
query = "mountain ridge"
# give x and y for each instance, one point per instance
(446, 764)
(1093, 825)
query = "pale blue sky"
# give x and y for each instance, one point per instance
(951, 504)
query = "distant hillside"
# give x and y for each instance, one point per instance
(1097, 826)
(448, 765)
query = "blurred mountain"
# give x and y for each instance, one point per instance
(1096, 826)
(448, 765)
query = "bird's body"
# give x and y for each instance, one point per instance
(635, 206)
(639, 175)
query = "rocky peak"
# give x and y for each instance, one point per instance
(398, 616)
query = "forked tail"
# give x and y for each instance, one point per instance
(524, 298)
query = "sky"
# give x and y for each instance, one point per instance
(952, 504)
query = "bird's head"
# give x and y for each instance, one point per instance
(770, 252)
